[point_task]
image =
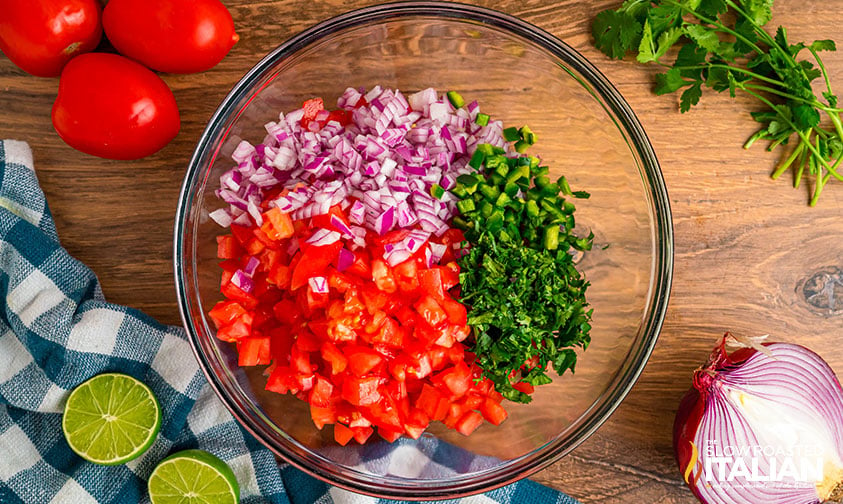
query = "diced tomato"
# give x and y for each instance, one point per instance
(225, 312)
(313, 262)
(342, 434)
(228, 248)
(341, 116)
(280, 343)
(361, 359)
(430, 311)
(243, 234)
(253, 351)
(432, 402)
(235, 293)
(320, 394)
(390, 333)
(492, 411)
(456, 312)
(390, 237)
(362, 434)
(287, 312)
(416, 423)
(361, 391)
(361, 266)
(300, 361)
(456, 379)
(307, 342)
(279, 275)
(237, 330)
(332, 355)
(324, 220)
(450, 274)
(430, 281)
(467, 423)
(383, 277)
(277, 225)
(322, 415)
(312, 107)
(316, 299)
(406, 276)
(523, 387)
(389, 435)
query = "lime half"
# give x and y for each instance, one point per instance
(193, 476)
(110, 419)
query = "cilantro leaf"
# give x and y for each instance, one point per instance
(760, 11)
(713, 8)
(805, 116)
(690, 97)
(663, 17)
(704, 37)
(823, 45)
(647, 48)
(669, 82)
(615, 33)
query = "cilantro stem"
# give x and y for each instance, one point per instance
(732, 68)
(803, 159)
(822, 69)
(759, 87)
(758, 29)
(787, 162)
(819, 157)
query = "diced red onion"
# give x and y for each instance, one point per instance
(397, 256)
(318, 284)
(385, 221)
(243, 281)
(322, 237)
(345, 259)
(386, 160)
(341, 227)
(251, 266)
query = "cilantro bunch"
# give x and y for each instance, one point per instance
(722, 45)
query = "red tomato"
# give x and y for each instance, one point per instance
(112, 107)
(176, 36)
(41, 36)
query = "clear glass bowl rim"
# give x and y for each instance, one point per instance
(602, 89)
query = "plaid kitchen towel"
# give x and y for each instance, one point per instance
(57, 330)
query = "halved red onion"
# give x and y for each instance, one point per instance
(763, 423)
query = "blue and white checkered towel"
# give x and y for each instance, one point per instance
(57, 330)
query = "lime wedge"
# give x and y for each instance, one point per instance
(110, 419)
(193, 476)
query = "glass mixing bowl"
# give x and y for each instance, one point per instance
(521, 75)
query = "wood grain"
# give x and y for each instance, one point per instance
(751, 257)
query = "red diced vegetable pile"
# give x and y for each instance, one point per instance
(340, 272)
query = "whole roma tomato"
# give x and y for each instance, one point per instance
(40, 36)
(176, 36)
(113, 107)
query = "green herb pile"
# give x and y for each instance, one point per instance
(723, 46)
(526, 298)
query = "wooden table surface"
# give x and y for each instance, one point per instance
(749, 251)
